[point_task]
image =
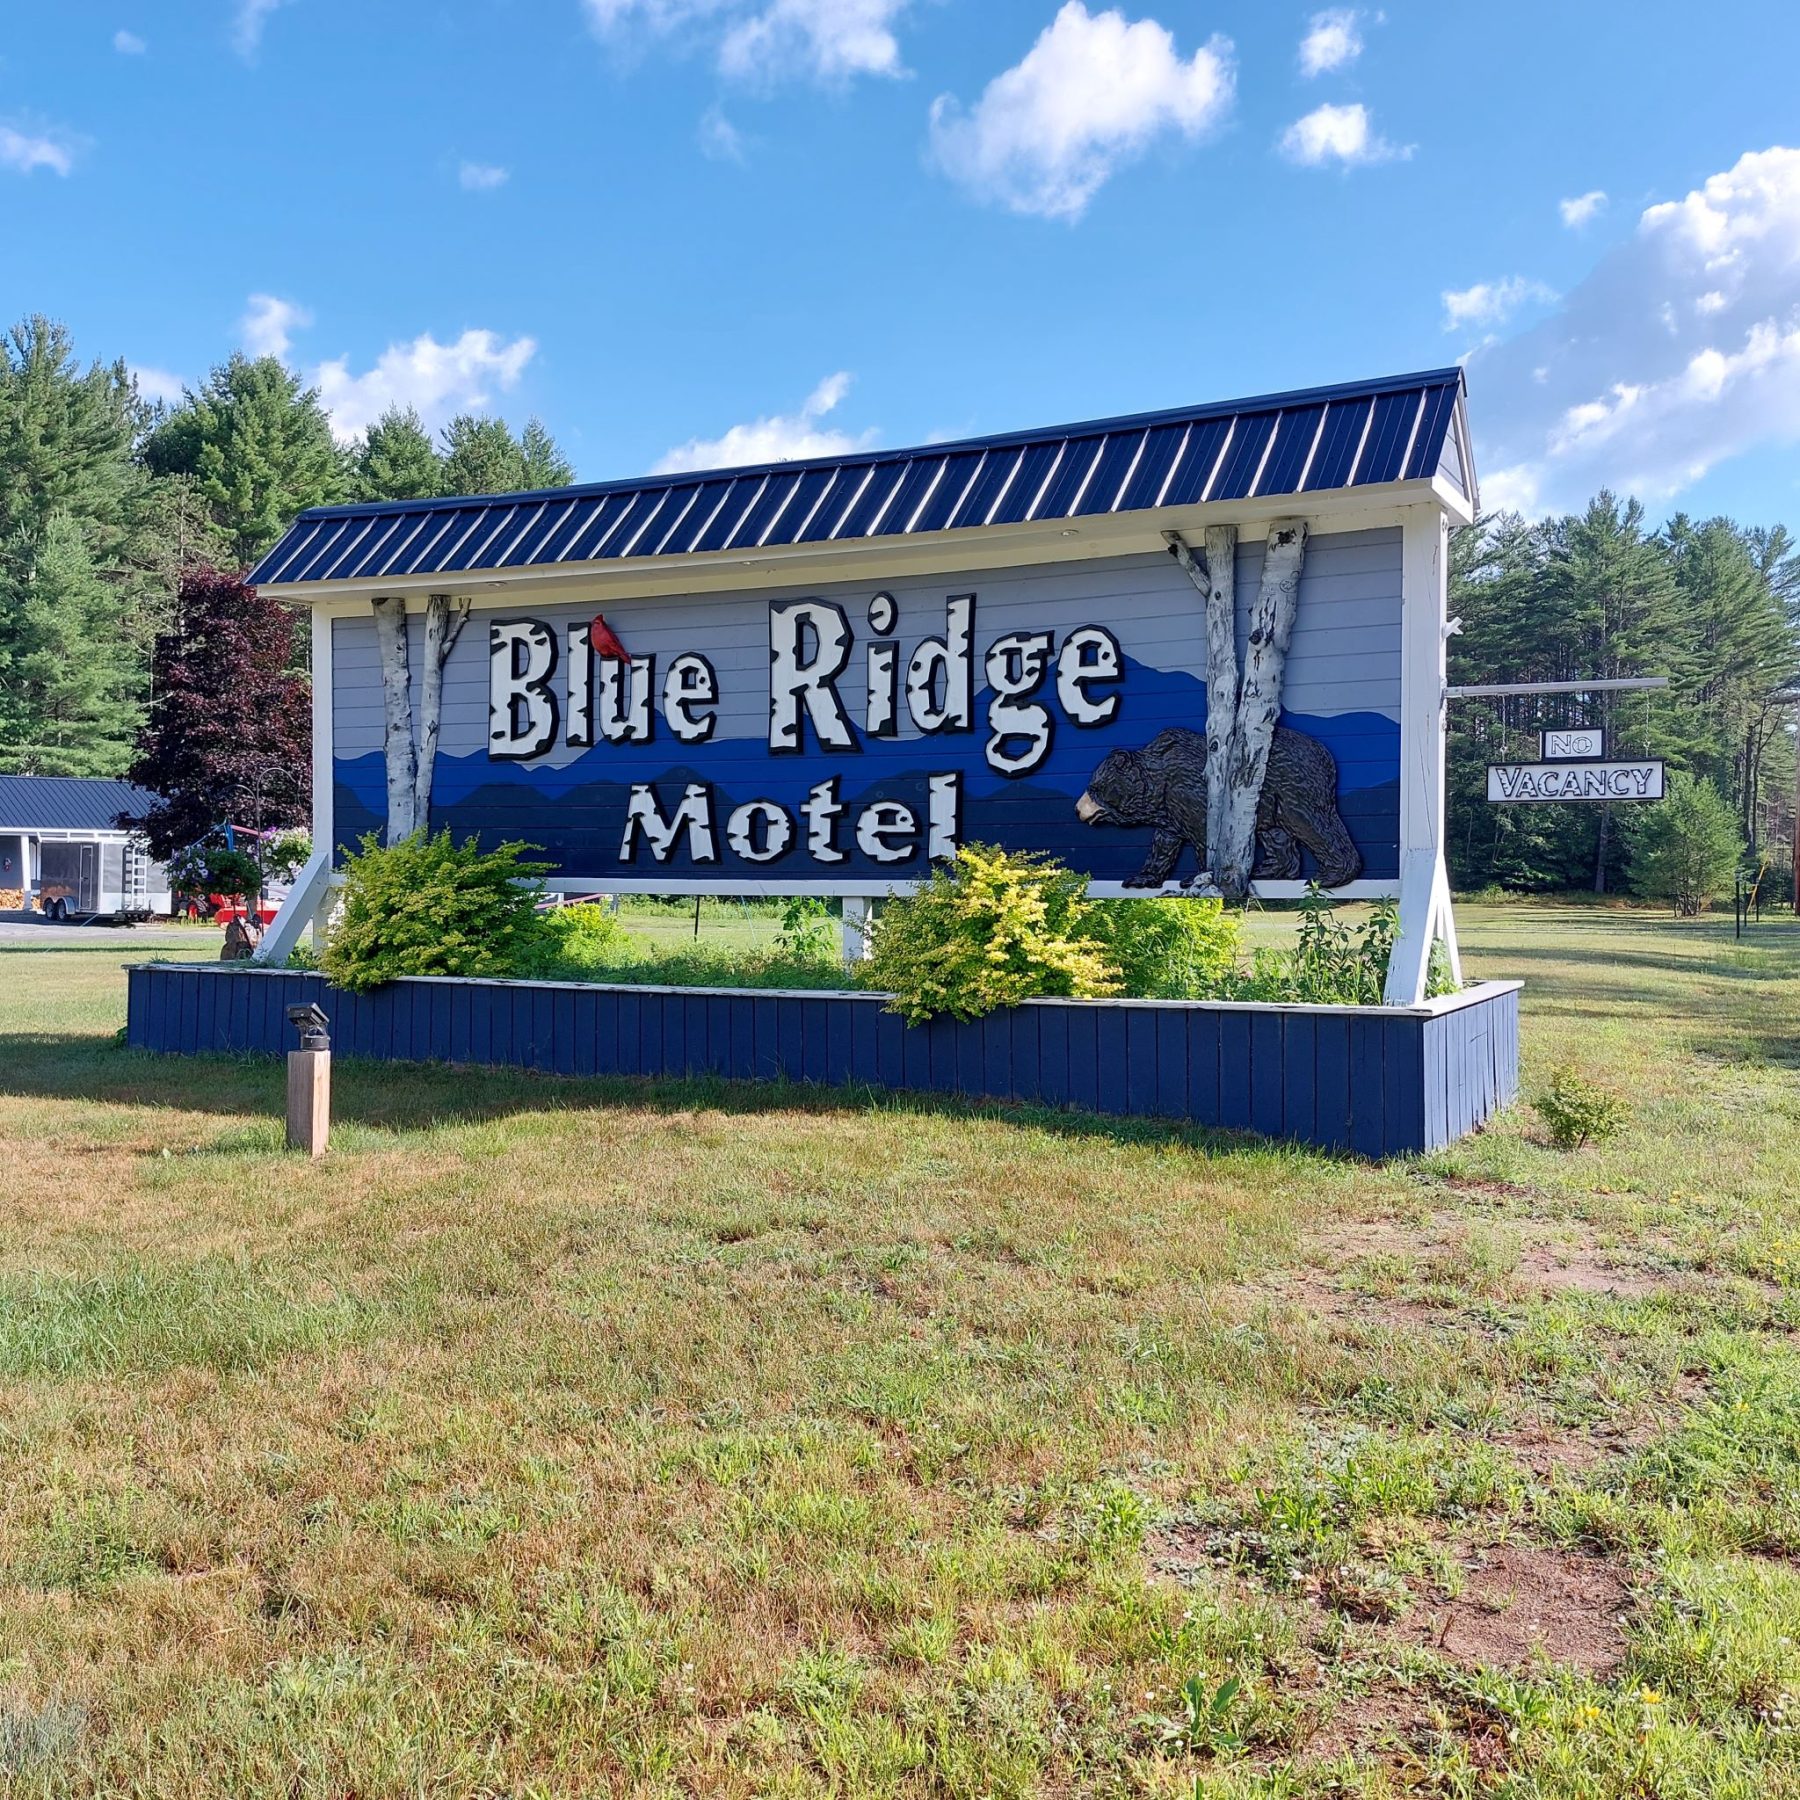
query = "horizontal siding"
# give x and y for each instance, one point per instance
(1372, 1081)
(1344, 655)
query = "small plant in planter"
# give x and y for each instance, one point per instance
(1577, 1111)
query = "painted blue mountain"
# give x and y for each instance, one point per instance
(576, 813)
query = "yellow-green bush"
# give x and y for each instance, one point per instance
(988, 930)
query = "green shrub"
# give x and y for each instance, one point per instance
(1685, 848)
(1168, 948)
(427, 906)
(1329, 965)
(1576, 1110)
(988, 930)
(806, 929)
(708, 965)
(578, 941)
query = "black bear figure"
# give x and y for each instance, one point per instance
(1164, 786)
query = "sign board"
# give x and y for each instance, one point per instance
(1564, 746)
(844, 737)
(1511, 782)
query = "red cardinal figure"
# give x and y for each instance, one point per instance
(605, 640)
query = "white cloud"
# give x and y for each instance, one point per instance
(269, 323)
(482, 178)
(1490, 303)
(128, 43)
(157, 384)
(25, 151)
(720, 139)
(782, 437)
(1679, 351)
(1333, 40)
(1582, 208)
(769, 41)
(1343, 134)
(247, 23)
(438, 380)
(1089, 96)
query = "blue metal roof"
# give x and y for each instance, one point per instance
(68, 802)
(1360, 435)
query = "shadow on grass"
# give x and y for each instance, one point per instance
(404, 1098)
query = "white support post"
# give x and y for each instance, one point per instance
(309, 901)
(311, 889)
(858, 911)
(1424, 883)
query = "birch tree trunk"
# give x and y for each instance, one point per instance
(442, 628)
(396, 701)
(1221, 678)
(1258, 708)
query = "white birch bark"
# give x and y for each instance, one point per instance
(1258, 708)
(397, 718)
(442, 628)
(1221, 677)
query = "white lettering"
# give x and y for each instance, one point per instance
(798, 679)
(625, 699)
(883, 717)
(777, 830)
(945, 663)
(521, 708)
(822, 810)
(881, 822)
(1016, 665)
(690, 682)
(944, 817)
(580, 652)
(1090, 655)
(694, 815)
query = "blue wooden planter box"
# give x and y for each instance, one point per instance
(1380, 1081)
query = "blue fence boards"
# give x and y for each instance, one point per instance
(1381, 1081)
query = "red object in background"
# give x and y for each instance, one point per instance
(605, 640)
(224, 910)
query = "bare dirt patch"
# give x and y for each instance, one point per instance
(1522, 1601)
(1580, 1269)
(1394, 1726)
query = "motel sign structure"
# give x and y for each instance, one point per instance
(1147, 645)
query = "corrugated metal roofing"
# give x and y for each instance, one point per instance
(68, 802)
(1360, 435)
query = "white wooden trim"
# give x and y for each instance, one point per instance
(966, 548)
(1429, 1009)
(322, 771)
(1424, 887)
(730, 887)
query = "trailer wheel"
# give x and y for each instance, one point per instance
(59, 911)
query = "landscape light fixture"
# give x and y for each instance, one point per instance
(313, 1026)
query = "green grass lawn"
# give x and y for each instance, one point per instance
(563, 1438)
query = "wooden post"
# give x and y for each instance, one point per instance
(309, 1101)
(854, 933)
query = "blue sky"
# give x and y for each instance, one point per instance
(691, 230)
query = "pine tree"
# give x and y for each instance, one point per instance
(65, 434)
(543, 465)
(397, 460)
(228, 734)
(481, 456)
(70, 681)
(259, 447)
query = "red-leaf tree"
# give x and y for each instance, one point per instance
(229, 732)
